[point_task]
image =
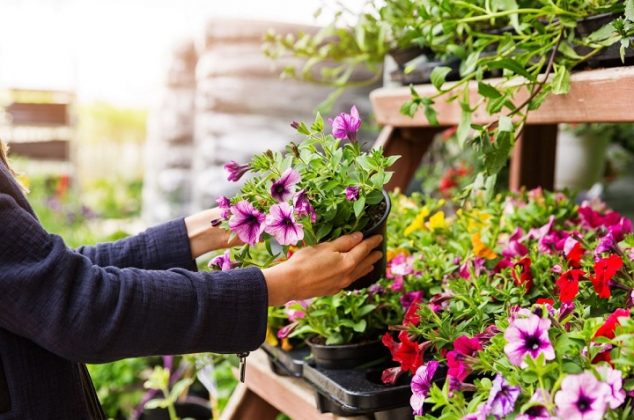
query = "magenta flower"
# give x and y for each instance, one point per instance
(477, 264)
(582, 397)
(606, 244)
(502, 397)
(284, 188)
(280, 223)
(223, 262)
(295, 309)
(285, 331)
(537, 410)
(528, 336)
(303, 207)
(515, 248)
(225, 207)
(247, 222)
(410, 297)
(235, 171)
(352, 193)
(421, 384)
(345, 126)
(614, 379)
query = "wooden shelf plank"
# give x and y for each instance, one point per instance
(604, 95)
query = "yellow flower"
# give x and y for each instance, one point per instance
(270, 339)
(419, 221)
(480, 249)
(391, 253)
(24, 181)
(478, 220)
(437, 221)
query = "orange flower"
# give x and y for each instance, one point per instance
(480, 249)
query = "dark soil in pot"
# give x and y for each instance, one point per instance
(378, 223)
(346, 356)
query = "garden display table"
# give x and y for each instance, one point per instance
(596, 96)
(264, 394)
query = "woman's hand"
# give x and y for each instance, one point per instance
(323, 269)
(203, 237)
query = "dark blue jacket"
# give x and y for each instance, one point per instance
(61, 308)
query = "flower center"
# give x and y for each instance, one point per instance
(280, 189)
(252, 220)
(532, 342)
(583, 403)
(287, 222)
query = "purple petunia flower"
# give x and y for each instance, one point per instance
(502, 397)
(352, 193)
(606, 244)
(515, 248)
(235, 171)
(528, 336)
(225, 207)
(410, 297)
(222, 261)
(280, 223)
(345, 126)
(421, 384)
(537, 410)
(303, 207)
(614, 379)
(480, 413)
(582, 397)
(247, 222)
(284, 188)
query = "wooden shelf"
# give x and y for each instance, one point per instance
(605, 95)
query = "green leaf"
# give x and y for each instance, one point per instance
(488, 91)
(561, 80)
(318, 124)
(180, 387)
(571, 367)
(629, 10)
(431, 115)
(438, 76)
(360, 326)
(512, 66)
(409, 108)
(152, 404)
(469, 65)
(359, 206)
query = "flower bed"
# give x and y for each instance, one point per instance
(524, 300)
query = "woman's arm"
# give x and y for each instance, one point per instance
(63, 302)
(174, 244)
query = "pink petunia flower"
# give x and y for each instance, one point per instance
(345, 126)
(222, 261)
(421, 384)
(614, 379)
(515, 248)
(235, 171)
(225, 207)
(247, 222)
(582, 397)
(281, 224)
(284, 188)
(502, 397)
(528, 336)
(352, 193)
(302, 206)
(537, 410)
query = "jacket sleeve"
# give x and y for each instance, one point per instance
(158, 248)
(63, 302)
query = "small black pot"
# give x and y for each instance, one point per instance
(608, 56)
(403, 55)
(347, 356)
(421, 73)
(192, 408)
(379, 267)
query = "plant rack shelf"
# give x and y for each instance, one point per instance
(596, 96)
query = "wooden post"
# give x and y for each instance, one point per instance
(411, 144)
(533, 161)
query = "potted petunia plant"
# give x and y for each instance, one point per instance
(319, 188)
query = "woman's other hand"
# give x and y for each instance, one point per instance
(203, 237)
(323, 269)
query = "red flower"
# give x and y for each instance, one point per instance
(604, 270)
(522, 273)
(568, 284)
(408, 353)
(545, 301)
(467, 346)
(574, 255)
(411, 316)
(608, 327)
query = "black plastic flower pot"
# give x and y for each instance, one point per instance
(192, 408)
(379, 227)
(347, 356)
(403, 55)
(421, 71)
(286, 363)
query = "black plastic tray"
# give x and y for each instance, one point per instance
(286, 363)
(355, 391)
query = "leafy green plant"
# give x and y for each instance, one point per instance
(317, 190)
(348, 317)
(160, 380)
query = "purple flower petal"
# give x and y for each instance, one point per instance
(352, 193)
(280, 223)
(582, 396)
(284, 188)
(247, 222)
(235, 171)
(345, 126)
(502, 397)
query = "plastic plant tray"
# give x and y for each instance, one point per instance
(286, 363)
(355, 391)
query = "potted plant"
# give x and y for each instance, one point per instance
(320, 188)
(343, 330)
